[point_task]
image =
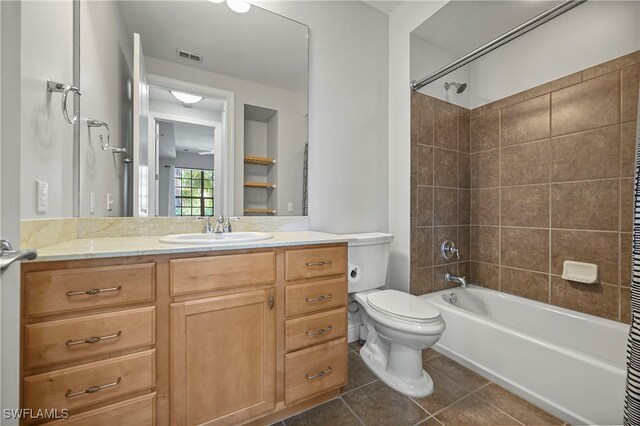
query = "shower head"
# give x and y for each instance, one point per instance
(460, 86)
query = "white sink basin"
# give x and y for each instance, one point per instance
(216, 239)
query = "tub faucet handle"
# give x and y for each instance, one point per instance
(448, 249)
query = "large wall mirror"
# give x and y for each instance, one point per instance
(190, 109)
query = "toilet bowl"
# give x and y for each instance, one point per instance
(397, 326)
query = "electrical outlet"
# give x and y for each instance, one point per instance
(290, 207)
(42, 197)
(110, 202)
(92, 203)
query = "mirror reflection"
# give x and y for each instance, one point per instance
(206, 110)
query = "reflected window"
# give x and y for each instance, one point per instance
(193, 192)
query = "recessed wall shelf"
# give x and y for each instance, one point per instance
(265, 185)
(259, 212)
(259, 161)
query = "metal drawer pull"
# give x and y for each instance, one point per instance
(92, 389)
(94, 339)
(321, 263)
(93, 291)
(319, 374)
(319, 332)
(319, 298)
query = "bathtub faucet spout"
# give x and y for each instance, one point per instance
(461, 281)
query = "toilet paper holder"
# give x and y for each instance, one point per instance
(353, 274)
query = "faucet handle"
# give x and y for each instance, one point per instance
(448, 249)
(227, 223)
(207, 218)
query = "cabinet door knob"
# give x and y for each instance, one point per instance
(271, 302)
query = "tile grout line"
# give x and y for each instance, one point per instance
(497, 408)
(557, 183)
(351, 410)
(500, 200)
(550, 171)
(538, 272)
(606, 231)
(359, 387)
(446, 407)
(433, 192)
(550, 137)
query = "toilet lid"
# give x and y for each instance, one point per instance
(403, 305)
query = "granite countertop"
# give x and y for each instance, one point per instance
(93, 248)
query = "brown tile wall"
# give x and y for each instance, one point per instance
(527, 182)
(551, 180)
(440, 195)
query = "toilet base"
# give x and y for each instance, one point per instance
(377, 360)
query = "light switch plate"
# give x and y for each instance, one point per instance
(110, 202)
(290, 207)
(42, 196)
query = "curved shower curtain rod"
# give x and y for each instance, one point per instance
(524, 28)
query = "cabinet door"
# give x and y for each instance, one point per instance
(222, 358)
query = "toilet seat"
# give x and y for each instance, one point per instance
(403, 306)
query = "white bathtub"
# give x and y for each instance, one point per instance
(571, 364)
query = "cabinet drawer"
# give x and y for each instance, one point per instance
(140, 411)
(313, 329)
(220, 272)
(316, 296)
(77, 338)
(65, 290)
(103, 380)
(315, 262)
(312, 371)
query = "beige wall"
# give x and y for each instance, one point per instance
(439, 190)
(551, 180)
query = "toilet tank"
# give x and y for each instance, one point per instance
(369, 256)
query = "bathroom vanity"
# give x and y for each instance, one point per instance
(181, 337)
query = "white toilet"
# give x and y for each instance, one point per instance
(397, 326)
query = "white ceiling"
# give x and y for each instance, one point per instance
(257, 46)
(462, 26)
(164, 95)
(384, 6)
(182, 137)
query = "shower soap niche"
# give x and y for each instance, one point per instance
(586, 273)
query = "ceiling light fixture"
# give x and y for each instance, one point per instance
(186, 98)
(239, 6)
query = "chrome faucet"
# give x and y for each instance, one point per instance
(208, 227)
(219, 228)
(222, 225)
(461, 281)
(226, 227)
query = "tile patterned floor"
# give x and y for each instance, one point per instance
(461, 397)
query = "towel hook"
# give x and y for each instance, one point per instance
(65, 89)
(97, 123)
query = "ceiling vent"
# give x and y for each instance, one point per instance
(188, 56)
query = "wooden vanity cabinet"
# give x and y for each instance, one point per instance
(223, 358)
(221, 337)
